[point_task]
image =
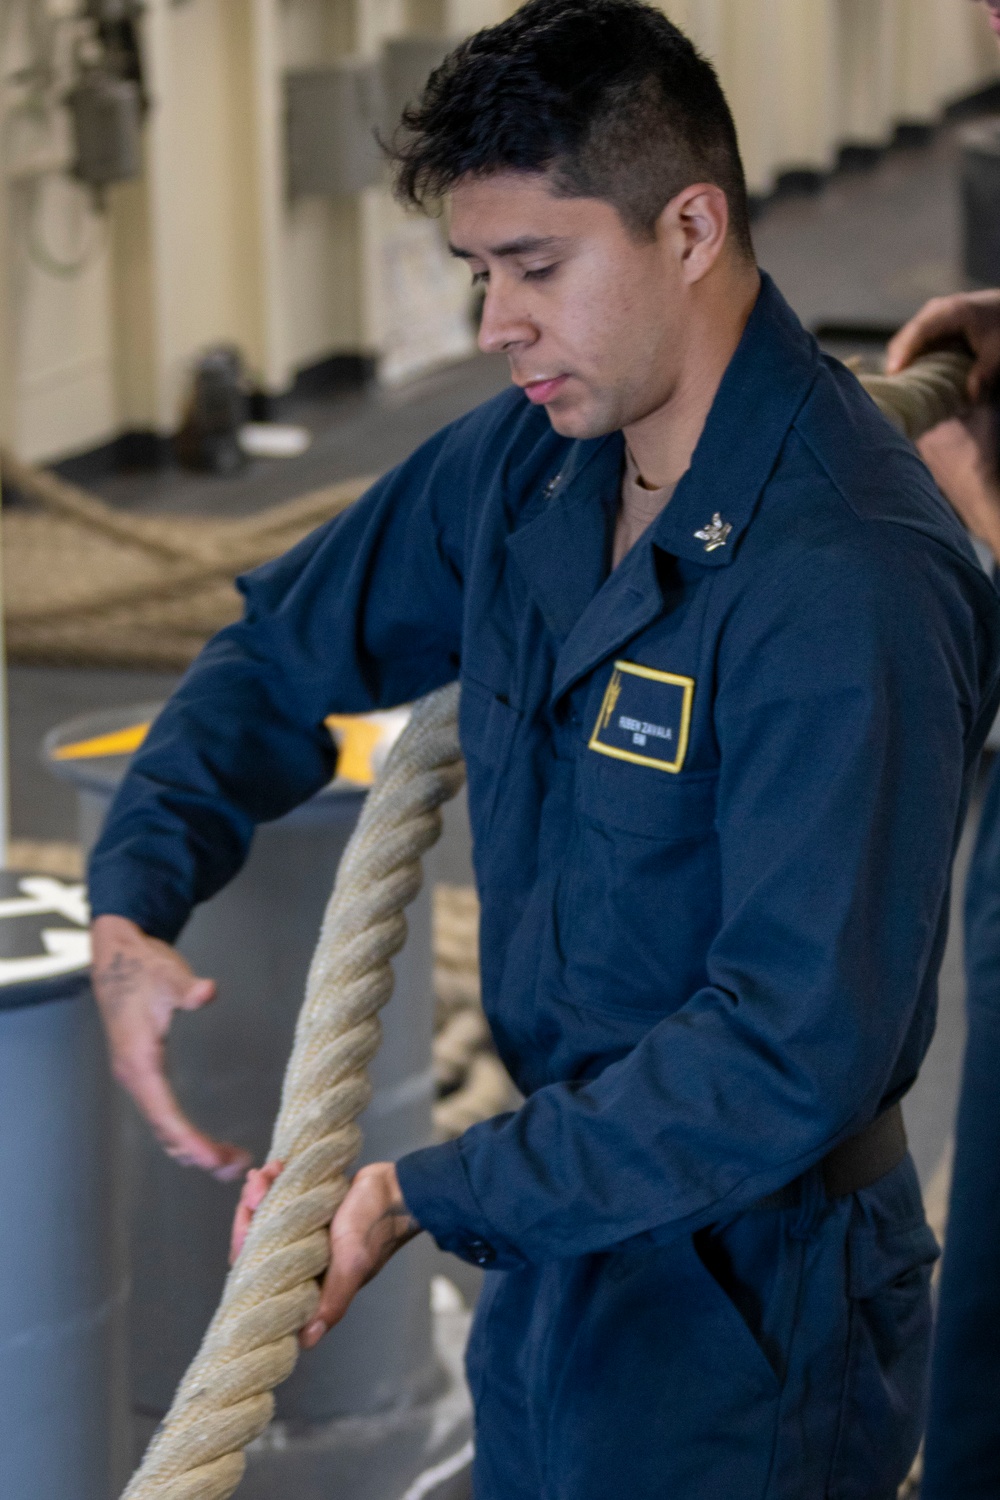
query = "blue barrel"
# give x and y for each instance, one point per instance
(64, 1422)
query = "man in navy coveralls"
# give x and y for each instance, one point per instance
(727, 661)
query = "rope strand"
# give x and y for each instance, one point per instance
(224, 1401)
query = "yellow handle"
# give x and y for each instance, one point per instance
(356, 737)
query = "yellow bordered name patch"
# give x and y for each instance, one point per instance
(645, 717)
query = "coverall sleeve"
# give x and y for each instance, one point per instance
(365, 613)
(848, 690)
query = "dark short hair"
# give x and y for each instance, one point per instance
(607, 97)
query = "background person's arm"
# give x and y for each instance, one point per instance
(962, 454)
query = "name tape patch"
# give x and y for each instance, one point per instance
(645, 717)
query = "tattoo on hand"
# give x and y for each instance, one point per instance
(116, 982)
(394, 1226)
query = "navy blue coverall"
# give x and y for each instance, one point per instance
(714, 795)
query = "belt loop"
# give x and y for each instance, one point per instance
(812, 1202)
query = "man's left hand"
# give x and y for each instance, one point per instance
(368, 1228)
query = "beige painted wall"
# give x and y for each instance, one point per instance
(58, 348)
(61, 346)
(202, 187)
(207, 246)
(803, 76)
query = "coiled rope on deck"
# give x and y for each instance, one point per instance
(224, 1400)
(86, 584)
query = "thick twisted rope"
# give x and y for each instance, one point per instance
(929, 391)
(224, 1400)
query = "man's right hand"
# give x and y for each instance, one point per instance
(139, 982)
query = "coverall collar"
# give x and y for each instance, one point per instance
(563, 551)
(765, 384)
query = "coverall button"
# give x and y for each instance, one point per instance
(482, 1252)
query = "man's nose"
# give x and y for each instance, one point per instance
(503, 326)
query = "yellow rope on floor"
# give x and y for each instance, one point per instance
(225, 1400)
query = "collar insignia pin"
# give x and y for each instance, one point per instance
(715, 534)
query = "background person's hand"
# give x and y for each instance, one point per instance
(368, 1228)
(138, 983)
(974, 316)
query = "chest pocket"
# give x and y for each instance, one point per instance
(637, 902)
(638, 801)
(631, 775)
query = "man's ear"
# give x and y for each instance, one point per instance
(694, 226)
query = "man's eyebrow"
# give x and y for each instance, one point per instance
(527, 245)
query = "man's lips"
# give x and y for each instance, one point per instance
(541, 391)
(994, 16)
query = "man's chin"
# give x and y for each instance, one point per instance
(575, 422)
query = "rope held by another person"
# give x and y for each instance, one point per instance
(224, 1400)
(932, 389)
